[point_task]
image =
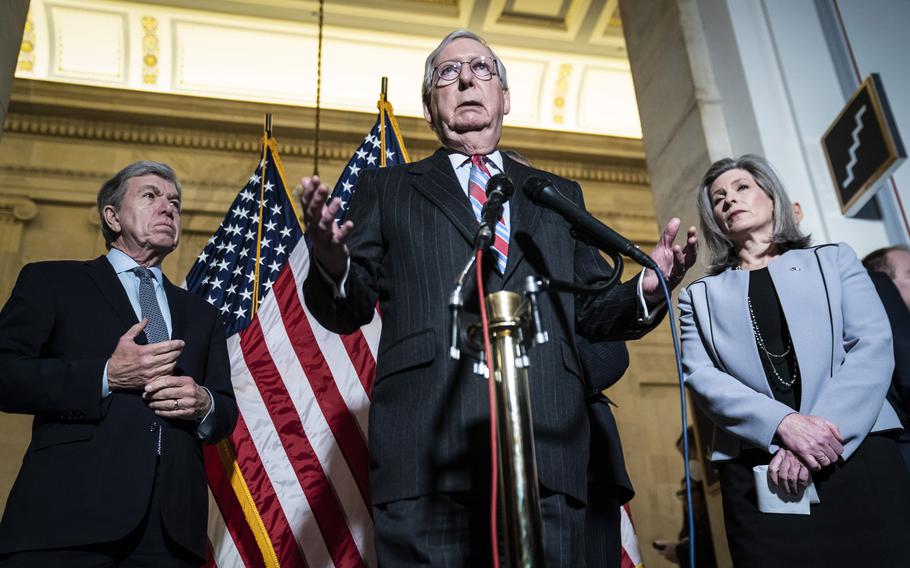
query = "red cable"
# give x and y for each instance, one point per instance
(494, 481)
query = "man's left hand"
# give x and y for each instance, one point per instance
(177, 397)
(673, 260)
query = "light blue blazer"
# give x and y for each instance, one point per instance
(842, 340)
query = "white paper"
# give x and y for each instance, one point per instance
(776, 500)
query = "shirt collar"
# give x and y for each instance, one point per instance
(122, 262)
(459, 160)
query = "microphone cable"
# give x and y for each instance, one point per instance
(491, 393)
(690, 518)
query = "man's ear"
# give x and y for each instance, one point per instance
(111, 218)
(506, 102)
(428, 115)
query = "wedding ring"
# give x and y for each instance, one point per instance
(176, 404)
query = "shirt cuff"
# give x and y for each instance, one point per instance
(207, 424)
(105, 389)
(338, 288)
(647, 314)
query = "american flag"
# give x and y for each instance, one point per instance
(290, 486)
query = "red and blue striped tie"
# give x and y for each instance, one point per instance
(477, 184)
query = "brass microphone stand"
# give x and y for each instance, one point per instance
(510, 321)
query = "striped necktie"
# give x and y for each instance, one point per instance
(156, 329)
(477, 183)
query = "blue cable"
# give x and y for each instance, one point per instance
(690, 519)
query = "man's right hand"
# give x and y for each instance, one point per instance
(817, 442)
(327, 236)
(132, 366)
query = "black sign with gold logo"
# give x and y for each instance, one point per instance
(862, 146)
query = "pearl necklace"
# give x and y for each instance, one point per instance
(771, 356)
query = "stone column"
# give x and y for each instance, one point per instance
(11, 26)
(684, 130)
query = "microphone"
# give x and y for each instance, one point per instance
(541, 191)
(499, 191)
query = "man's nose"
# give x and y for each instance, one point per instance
(465, 75)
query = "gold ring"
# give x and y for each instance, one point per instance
(176, 404)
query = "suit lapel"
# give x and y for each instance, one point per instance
(111, 289)
(802, 294)
(728, 302)
(177, 307)
(523, 215)
(435, 179)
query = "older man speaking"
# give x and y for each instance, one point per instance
(409, 233)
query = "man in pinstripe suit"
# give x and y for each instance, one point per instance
(409, 231)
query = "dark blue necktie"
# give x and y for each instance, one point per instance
(156, 330)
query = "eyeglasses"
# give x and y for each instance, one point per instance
(447, 72)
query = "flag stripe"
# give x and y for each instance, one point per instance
(359, 352)
(276, 522)
(278, 468)
(348, 435)
(231, 510)
(319, 492)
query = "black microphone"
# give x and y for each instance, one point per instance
(542, 191)
(499, 191)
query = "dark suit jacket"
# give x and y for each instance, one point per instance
(429, 420)
(899, 318)
(87, 474)
(603, 364)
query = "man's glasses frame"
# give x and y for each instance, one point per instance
(482, 67)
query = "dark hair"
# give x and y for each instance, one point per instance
(112, 191)
(877, 260)
(785, 233)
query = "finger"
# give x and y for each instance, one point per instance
(811, 462)
(317, 201)
(803, 477)
(670, 231)
(164, 347)
(343, 231)
(168, 393)
(307, 188)
(135, 329)
(793, 476)
(773, 468)
(163, 383)
(835, 430)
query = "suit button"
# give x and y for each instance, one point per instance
(153, 426)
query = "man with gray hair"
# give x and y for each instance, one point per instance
(125, 375)
(409, 233)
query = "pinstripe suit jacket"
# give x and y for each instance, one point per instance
(429, 420)
(842, 341)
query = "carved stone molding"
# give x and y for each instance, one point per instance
(40, 108)
(17, 209)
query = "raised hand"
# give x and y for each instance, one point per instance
(327, 236)
(673, 260)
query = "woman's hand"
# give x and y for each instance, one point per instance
(816, 442)
(786, 471)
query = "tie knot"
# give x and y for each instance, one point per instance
(143, 273)
(478, 161)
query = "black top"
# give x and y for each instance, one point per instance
(772, 326)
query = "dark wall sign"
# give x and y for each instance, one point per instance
(863, 146)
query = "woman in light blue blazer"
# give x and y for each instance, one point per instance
(787, 348)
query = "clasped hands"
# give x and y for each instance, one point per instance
(808, 443)
(148, 368)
